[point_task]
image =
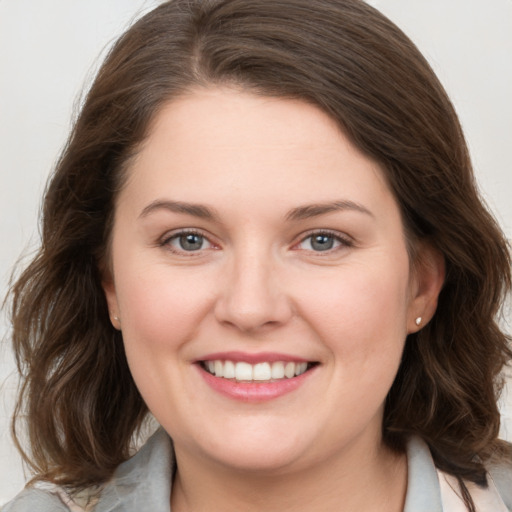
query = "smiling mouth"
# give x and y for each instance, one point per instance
(241, 371)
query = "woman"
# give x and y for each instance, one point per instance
(264, 230)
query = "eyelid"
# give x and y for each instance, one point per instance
(164, 241)
(344, 239)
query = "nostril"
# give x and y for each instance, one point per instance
(252, 313)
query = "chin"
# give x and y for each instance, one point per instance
(251, 446)
(257, 458)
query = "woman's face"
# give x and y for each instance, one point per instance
(253, 242)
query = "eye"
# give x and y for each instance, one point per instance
(187, 241)
(323, 242)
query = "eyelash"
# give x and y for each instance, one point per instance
(166, 241)
(344, 241)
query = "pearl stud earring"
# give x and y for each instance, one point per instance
(418, 321)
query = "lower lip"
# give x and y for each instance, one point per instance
(254, 391)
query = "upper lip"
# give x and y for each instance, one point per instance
(252, 358)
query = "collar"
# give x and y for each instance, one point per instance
(143, 482)
(423, 491)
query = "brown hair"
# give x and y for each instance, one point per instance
(343, 56)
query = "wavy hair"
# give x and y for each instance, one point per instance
(77, 396)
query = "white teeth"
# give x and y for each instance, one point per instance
(261, 371)
(277, 370)
(289, 370)
(219, 367)
(300, 368)
(229, 370)
(243, 371)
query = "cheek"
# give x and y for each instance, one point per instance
(160, 309)
(362, 311)
(161, 314)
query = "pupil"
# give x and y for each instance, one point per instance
(191, 242)
(322, 242)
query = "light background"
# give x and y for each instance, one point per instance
(49, 49)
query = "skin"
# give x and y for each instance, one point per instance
(257, 284)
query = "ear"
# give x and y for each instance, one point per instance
(109, 289)
(427, 279)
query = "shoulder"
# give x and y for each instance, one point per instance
(44, 497)
(432, 490)
(35, 500)
(496, 497)
(140, 483)
(501, 476)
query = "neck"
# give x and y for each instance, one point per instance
(358, 480)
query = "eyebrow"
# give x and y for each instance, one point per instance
(196, 210)
(315, 210)
(299, 213)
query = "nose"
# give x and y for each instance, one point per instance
(252, 296)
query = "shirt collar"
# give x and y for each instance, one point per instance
(144, 481)
(423, 492)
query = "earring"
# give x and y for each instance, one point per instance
(116, 323)
(418, 321)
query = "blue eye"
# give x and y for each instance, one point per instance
(190, 242)
(187, 241)
(323, 242)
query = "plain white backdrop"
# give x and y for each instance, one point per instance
(49, 49)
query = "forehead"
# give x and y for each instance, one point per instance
(222, 144)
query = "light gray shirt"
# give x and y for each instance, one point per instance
(144, 483)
